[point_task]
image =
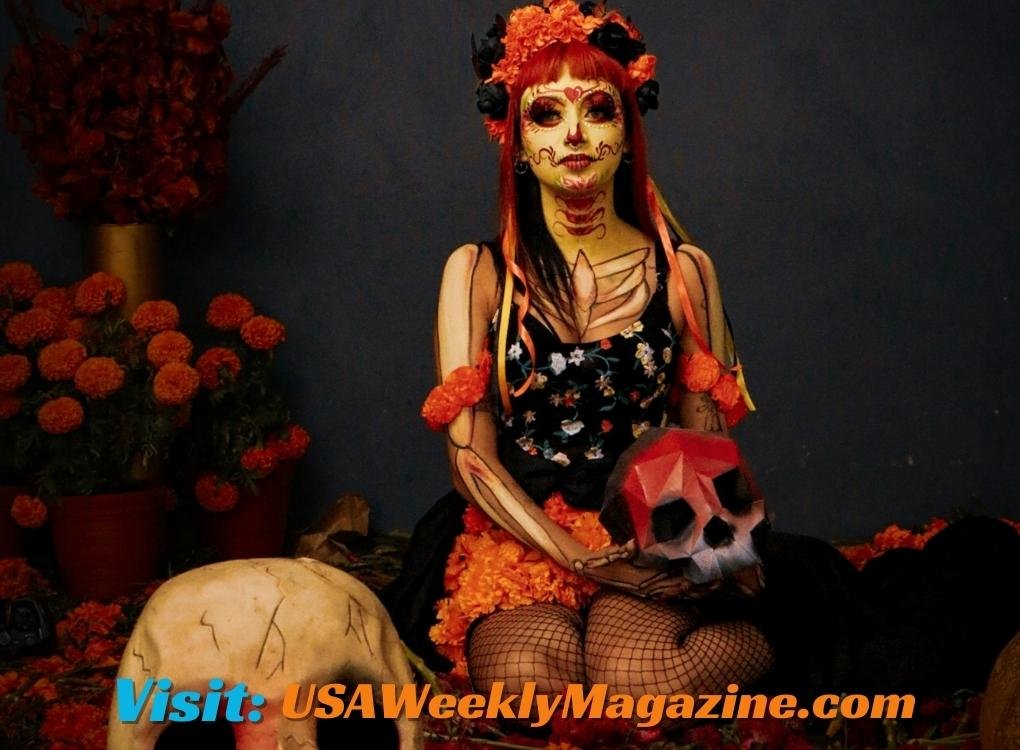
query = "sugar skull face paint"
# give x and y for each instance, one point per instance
(573, 133)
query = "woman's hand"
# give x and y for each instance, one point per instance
(598, 558)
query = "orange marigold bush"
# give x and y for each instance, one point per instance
(259, 461)
(28, 512)
(19, 280)
(212, 364)
(228, 312)
(31, 326)
(168, 346)
(61, 415)
(215, 495)
(61, 359)
(15, 369)
(175, 384)
(155, 316)
(263, 333)
(99, 377)
(9, 405)
(57, 300)
(100, 291)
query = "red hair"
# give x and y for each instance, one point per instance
(586, 62)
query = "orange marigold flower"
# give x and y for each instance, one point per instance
(19, 280)
(216, 363)
(99, 292)
(216, 495)
(700, 371)
(895, 537)
(9, 405)
(726, 392)
(292, 444)
(440, 408)
(43, 688)
(260, 461)
(466, 385)
(475, 520)
(75, 725)
(859, 554)
(28, 512)
(32, 326)
(498, 129)
(15, 369)
(55, 299)
(228, 312)
(61, 359)
(263, 333)
(168, 346)
(9, 682)
(18, 578)
(642, 69)
(61, 415)
(175, 384)
(99, 377)
(154, 316)
(76, 328)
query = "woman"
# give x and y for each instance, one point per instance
(600, 327)
(597, 301)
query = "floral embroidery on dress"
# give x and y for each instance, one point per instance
(589, 400)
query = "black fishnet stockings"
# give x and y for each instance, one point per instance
(635, 646)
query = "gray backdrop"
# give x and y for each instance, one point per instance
(848, 165)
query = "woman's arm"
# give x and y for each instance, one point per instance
(698, 411)
(467, 300)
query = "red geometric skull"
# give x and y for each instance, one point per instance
(687, 500)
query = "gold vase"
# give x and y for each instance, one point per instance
(130, 252)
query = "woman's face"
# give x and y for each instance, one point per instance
(573, 134)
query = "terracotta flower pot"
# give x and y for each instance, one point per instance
(12, 536)
(109, 545)
(257, 525)
(130, 252)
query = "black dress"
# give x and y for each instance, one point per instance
(831, 627)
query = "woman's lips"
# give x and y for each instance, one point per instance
(576, 162)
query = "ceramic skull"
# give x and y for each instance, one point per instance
(687, 500)
(266, 622)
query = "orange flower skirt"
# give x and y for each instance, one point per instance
(488, 570)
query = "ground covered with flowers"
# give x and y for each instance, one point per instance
(59, 698)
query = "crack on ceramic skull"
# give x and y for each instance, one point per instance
(212, 629)
(280, 640)
(360, 610)
(141, 658)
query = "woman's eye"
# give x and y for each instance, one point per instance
(601, 108)
(543, 114)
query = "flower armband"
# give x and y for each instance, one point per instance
(464, 386)
(702, 372)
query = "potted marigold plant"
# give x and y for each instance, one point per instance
(243, 445)
(103, 400)
(127, 125)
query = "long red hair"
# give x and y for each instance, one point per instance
(587, 62)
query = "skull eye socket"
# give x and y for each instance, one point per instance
(214, 735)
(733, 490)
(718, 533)
(670, 518)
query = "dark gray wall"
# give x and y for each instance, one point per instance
(849, 166)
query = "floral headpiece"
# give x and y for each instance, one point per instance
(507, 45)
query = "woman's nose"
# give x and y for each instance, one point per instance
(575, 133)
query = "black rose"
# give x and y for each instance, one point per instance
(614, 40)
(487, 51)
(647, 96)
(492, 100)
(588, 7)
